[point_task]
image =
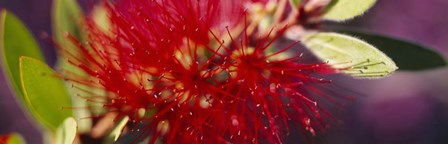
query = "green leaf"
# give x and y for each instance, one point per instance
(408, 56)
(44, 93)
(16, 41)
(351, 55)
(341, 10)
(66, 132)
(67, 17)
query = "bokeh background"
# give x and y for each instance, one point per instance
(406, 108)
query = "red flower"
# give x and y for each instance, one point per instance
(4, 138)
(200, 73)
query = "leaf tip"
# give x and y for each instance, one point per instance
(343, 10)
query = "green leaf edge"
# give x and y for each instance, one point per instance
(12, 83)
(310, 35)
(355, 32)
(327, 12)
(28, 101)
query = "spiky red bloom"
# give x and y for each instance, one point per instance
(200, 72)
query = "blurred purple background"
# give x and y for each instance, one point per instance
(406, 108)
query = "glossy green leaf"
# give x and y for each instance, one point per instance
(66, 132)
(15, 41)
(341, 10)
(351, 55)
(44, 93)
(407, 55)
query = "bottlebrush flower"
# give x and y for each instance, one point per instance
(198, 72)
